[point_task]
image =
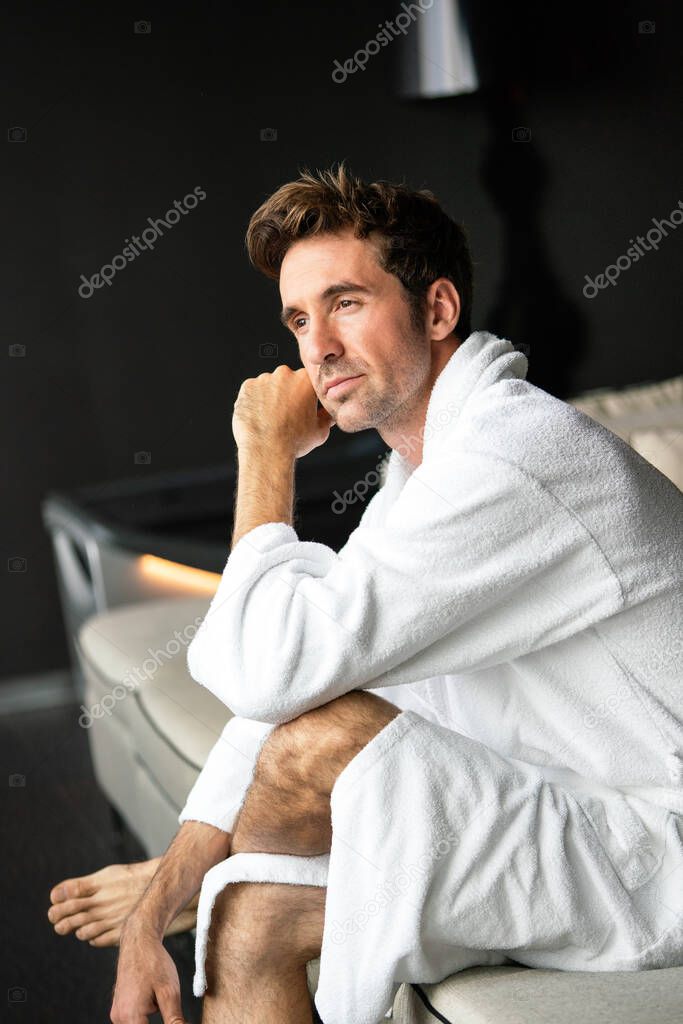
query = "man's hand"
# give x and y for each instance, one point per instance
(146, 980)
(146, 977)
(279, 409)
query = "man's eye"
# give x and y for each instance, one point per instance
(302, 319)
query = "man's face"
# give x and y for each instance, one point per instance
(350, 318)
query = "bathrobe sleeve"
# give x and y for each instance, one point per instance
(474, 563)
(220, 788)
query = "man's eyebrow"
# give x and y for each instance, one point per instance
(328, 293)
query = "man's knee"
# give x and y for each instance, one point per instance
(261, 924)
(317, 745)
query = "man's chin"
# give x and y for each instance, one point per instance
(350, 421)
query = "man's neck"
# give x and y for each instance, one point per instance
(407, 436)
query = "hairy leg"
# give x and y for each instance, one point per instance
(287, 807)
(94, 906)
(262, 936)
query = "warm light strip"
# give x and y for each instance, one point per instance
(179, 575)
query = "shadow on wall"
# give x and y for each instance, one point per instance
(522, 52)
(531, 308)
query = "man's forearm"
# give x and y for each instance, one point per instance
(265, 488)
(265, 494)
(196, 848)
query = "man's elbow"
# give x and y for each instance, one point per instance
(275, 701)
(247, 695)
(208, 669)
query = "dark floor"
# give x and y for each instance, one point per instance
(57, 825)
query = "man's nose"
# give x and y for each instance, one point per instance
(321, 342)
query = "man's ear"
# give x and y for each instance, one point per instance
(443, 301)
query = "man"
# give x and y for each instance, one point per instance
(479, 694)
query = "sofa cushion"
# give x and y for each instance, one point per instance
(663, 447)
(139, 643)
(649, 417)
(642, 406)
(521, 995)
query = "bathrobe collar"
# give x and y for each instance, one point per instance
(477, 363)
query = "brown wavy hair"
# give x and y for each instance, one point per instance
(418, 241)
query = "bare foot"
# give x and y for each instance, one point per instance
(95, 906)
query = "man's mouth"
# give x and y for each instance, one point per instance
(340, 385)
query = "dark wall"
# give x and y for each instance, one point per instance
(119, 125)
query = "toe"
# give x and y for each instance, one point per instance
(62, 911)
(72, 889)
(110, 938)
(70, 924)
(92, 930)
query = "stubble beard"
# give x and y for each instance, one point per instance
(389, 407)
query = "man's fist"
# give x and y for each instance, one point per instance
(280, 409)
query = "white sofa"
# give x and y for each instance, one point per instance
(150, 742)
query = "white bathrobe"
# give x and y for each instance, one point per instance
(519, 596)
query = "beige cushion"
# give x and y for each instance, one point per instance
(520, 995)
(648, 417)
(172, 722)
(645, 405)
(662, 447)
(141, 637)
